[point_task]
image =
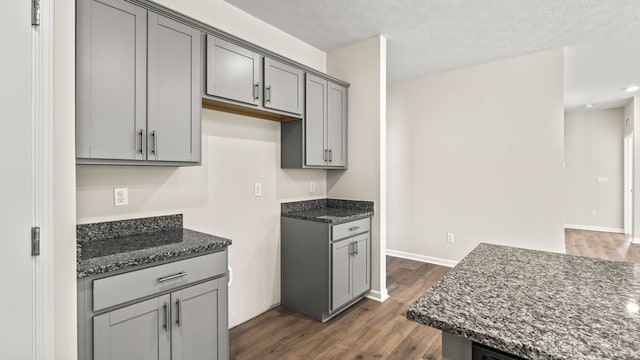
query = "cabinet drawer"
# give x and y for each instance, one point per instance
(349, 229)
(133, 285)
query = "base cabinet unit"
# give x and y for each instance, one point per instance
(320, 140)
(325, 268)
(186, 320)
(138, 96)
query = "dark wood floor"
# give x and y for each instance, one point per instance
(368, 330)
(373, 330)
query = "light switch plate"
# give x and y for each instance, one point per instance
(312, 186)
(120, 196)
(257, 189)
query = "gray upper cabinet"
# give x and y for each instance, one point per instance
(337, 125)
(316, 120)
(233, 72)
(283, 87)
(138, 86)
(111, 80)
(324, 128)
(174, 63)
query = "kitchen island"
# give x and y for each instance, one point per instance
(535, 305)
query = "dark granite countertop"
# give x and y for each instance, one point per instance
(116, 245)
(538, 305)
(334, 211)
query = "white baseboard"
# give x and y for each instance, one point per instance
(636, 240)
(422, 258)
(594, 228)
(376, 295)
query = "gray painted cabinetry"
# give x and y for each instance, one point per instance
(184, 317)
(138, 86)
(325, 267)
(320, 140)
(237, 75)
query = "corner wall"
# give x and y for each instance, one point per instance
(477, 152)
(594, 142)
(64, 187)
(363, 65)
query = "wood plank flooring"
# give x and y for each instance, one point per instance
(601, 245)
(373, 330)
(368, 330)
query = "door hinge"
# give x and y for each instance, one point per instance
(35, 12)
(35, 241)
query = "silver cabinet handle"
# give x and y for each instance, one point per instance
(268, 93)
(256, 92)
(178, 311)
(154, 136)
(356, 246)
(330, 154)
(165, 309)
(172, 276)
(141, 133)
(325, 157)
(354, 228)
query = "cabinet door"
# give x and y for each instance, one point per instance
(233, 72)
(360, 266)
(199, 322)
(283, 87)
(337, 125)
(136, 332)
(111, 80)
(174, 91)
(341, 273)
(315, 121)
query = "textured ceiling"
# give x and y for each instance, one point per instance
(426, 37)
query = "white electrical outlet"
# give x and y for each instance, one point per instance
(312, 186)
(120, 196)
(593, 212)
(450, 237)
(257, 189)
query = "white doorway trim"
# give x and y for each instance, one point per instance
(628, 184)
(42, 182)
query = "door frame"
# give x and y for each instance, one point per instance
(42, 45)
(628, 184)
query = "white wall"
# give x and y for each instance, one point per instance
(64, 247)
(477, 152)
(363, 65)
(594, 149)
(217, 197)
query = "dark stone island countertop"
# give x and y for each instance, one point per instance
(538, 305)
(334, 211)
(115, 245)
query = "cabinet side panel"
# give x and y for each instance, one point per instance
(291, 149)
(305, 266)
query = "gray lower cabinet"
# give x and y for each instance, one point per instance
(233, 72)
(350, 269)
(283, 87)
(320, 140)
(183, 325)
(138, 86)
(175, 311)
(324, 268)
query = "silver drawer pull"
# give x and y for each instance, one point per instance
(354, 228)
(171, 277)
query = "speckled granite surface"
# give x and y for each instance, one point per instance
(100, 253)
(538, 305)
(335, 211)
